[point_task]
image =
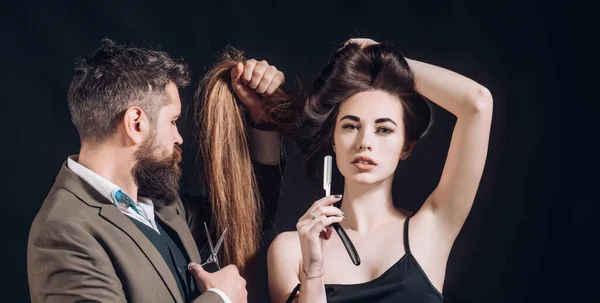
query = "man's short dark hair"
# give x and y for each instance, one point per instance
(115, 77)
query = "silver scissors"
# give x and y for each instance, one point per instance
(214, 250)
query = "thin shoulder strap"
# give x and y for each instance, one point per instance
(293, 294)
(406, 245)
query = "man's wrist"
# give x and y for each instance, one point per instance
(221, 294)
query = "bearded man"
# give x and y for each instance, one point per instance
(112, 228)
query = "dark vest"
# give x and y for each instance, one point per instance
(173, 252)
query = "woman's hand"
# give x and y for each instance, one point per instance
(314, 227)
(362, 42)
(253, 80)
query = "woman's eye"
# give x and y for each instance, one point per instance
(350, 126)
(385, 130)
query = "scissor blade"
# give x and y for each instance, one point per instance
(208, 260)
(220, 241)
(212, 248)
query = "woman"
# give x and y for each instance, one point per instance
(366, 107)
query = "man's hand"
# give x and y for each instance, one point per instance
(251, 80)
(227, 280)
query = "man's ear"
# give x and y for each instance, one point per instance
(136, 124)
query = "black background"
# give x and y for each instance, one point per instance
(523, 241)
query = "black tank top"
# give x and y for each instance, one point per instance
(405, 281)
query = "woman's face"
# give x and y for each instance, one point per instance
(369, 136)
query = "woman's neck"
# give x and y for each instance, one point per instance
(368, 206)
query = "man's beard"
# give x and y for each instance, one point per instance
(157, 177)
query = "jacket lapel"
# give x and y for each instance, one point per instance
(175, 222)
(71, 182)
(113, 215)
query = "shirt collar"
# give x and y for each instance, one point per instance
(99, 183)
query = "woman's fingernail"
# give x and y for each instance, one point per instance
(343, 214)
(337, 196)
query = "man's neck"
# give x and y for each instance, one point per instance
(113, 163)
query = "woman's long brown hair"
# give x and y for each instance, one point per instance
(228, 173)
